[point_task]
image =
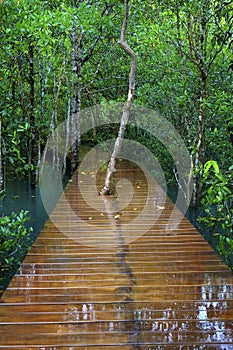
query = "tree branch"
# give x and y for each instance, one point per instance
(126, 109)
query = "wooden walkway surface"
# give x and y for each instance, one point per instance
(165, 289)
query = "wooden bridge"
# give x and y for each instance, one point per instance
(119, 289)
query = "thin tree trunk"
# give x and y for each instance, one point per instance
(32, 142)
(68, 123)
(76, 97)
(53, 125)
(42, 94)
(43, 84)
(21, 80)
(199, 156)
(92, 112)
(127, 106)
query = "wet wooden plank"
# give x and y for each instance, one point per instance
(145, 311)
(70, 335)
(167, 289)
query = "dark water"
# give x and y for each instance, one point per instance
(20, 196)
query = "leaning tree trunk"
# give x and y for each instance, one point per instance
(127, 105)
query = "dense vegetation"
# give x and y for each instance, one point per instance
(59, 57)
(15, 240)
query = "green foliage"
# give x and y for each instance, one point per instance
(47, 27)
(14, 239)
(167, 37)
(2, 194)
(218, 204)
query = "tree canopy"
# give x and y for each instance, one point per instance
(58, 57)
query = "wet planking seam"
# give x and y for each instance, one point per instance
(114, 321)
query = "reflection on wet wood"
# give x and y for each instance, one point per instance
(93, 280)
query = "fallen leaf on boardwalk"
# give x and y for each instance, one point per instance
(159, 207)
(92, 173)
(135, 209)
(101, 214)
(138, 187)
(90, 218)
(117, 216)
(83, 173)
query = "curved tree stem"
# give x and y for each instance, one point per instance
(126, 108)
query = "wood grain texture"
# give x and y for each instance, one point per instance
(166, 289)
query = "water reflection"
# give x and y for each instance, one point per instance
(159, 323)
(205, 317)
(83, 312)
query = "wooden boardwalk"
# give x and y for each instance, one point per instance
(165, 289)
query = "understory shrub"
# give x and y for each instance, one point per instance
(218, 204)
(14, 239)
